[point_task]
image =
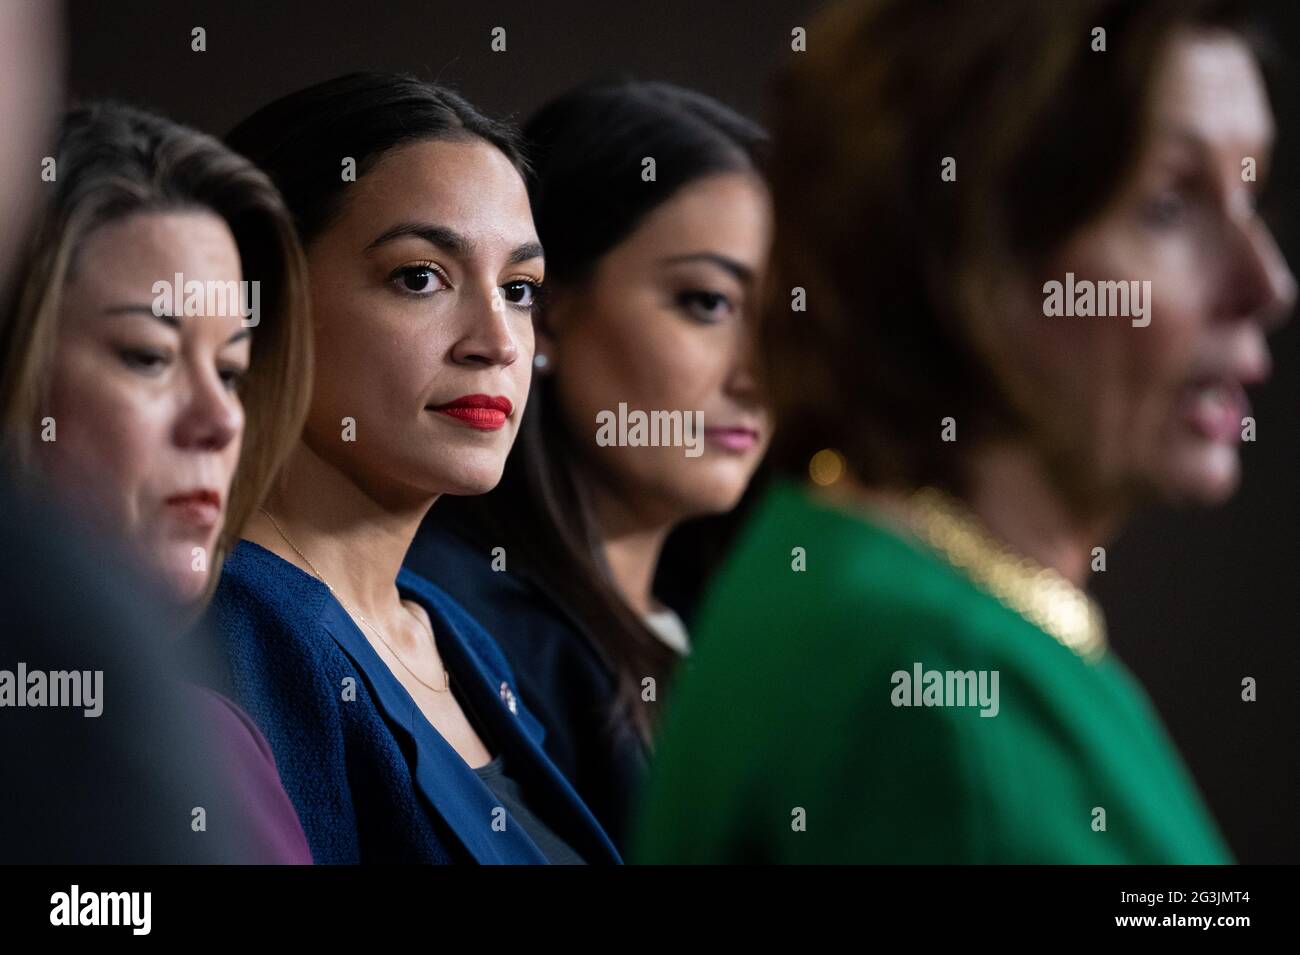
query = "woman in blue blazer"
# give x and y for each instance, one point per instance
(396, 722)
(571, 560)
(372, 779)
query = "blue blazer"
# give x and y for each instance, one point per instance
(568, 683)
(370, 777)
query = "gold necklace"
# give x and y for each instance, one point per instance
(356, 613)
(1039, 594)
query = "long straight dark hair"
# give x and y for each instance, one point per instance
(585, 149)
(302, 139)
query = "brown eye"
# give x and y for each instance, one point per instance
(143, 360)
(419, 279)
(233, 377)
(521, 294)
(705, 306)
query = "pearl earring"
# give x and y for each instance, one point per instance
(541, 362)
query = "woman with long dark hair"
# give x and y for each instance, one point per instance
(398, 726)
(650, 203)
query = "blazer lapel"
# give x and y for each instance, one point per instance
(452, 788)
(544, 784)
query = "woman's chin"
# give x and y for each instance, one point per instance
(707, 493)
(470, 482)
(1207, 474)
(184, 585)
(180, 574)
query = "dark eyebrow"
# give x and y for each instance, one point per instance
(742, 272)
(529, 250)
(1184, 135)
(446, 239)
(450, 241)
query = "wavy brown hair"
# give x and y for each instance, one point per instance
(895, 261)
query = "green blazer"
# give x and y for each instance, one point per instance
(787, 739)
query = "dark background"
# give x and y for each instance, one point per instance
(1195, 600)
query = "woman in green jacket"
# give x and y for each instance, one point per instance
(1021, 285)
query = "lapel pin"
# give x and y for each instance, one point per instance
(509, 697)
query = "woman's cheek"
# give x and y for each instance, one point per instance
(96, 456)
(684, 366)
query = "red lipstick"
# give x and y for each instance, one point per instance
(481, 412)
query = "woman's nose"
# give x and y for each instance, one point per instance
(213, 415)
(1263, 286)
(490, 336)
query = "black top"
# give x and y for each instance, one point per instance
(556, 850)
(511, 795)
(562, 678)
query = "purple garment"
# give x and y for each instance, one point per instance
(265, 818)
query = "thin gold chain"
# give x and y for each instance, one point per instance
(1039, 594)
(356, 613)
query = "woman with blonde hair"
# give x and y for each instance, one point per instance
(153, 376)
